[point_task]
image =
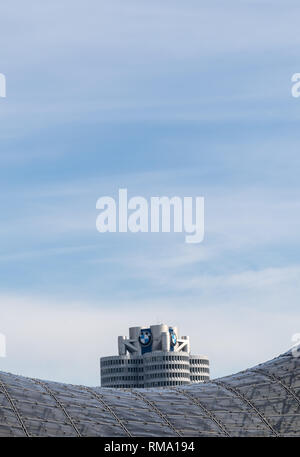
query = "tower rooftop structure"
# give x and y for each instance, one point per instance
(153, 356)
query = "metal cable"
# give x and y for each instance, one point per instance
(52, 394)
(248, 402)
(288, 389)
(155, 409)
(107, 408)
(9, 398)
(207, 412)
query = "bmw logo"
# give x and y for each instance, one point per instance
(173, 338)
(145, 337)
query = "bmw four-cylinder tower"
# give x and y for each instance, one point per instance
(153, 356)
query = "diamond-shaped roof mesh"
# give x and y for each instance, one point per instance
(261, 401)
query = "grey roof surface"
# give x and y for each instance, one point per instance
(261, 401)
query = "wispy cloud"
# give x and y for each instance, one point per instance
(164, 98)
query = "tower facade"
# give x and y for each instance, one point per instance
(153, 356)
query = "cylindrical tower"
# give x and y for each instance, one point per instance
(199, 367)
(153, 356)
(157, 332)
(162, 369)
(122, 371)
(134, 333)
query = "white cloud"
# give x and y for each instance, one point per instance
(268, 279)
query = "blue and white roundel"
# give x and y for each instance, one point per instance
(145, 337)
(173, 338)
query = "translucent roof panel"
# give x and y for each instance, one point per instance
(261, 401)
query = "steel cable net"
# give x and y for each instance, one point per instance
(261, 401)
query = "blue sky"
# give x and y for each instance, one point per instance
(173, 98)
